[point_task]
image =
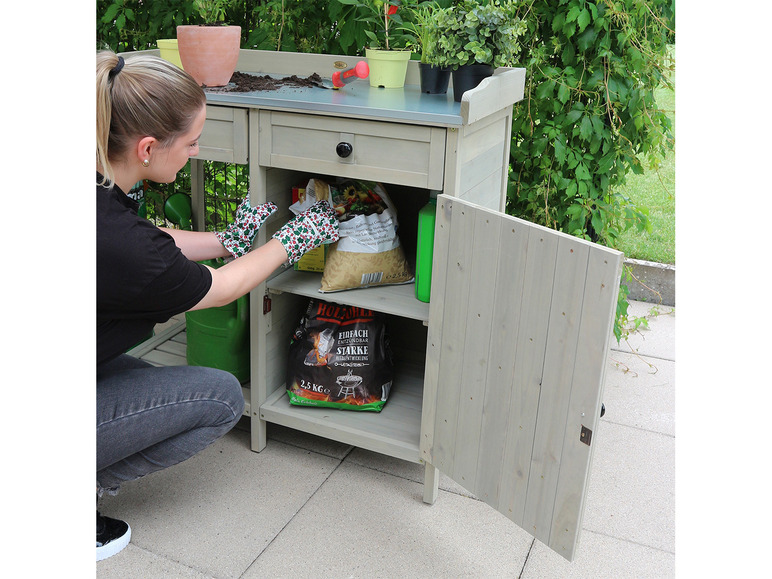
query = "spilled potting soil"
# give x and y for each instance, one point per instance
(243, 82)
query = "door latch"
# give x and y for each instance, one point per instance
(586, 435)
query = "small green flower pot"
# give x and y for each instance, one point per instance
(388, 68)
(169, 50)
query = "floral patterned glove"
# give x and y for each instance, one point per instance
(312, 228)
(240, 234)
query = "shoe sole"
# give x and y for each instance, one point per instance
(114, 546)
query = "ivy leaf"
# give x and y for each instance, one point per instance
(110, 13)
(563, 93)
(597, 222)
(585, 128)
(573, 13)
(573, 116)
(544, 91)
(568, 53)
(560, 150)
(583, 20)
(598, 125)
(586, 39)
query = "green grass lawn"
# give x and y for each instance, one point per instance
(654, 190)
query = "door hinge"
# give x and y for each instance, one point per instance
(586, 435)
(266, 304)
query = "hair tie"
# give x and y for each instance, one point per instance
(117, 68)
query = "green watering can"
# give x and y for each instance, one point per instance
(219, 337)
(178, 209)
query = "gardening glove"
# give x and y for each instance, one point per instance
(240, 234)
(312, 228)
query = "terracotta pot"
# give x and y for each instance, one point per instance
(209, 53)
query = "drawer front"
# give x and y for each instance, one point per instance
(377, 151)
(225, 135)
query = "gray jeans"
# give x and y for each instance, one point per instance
(150, 418)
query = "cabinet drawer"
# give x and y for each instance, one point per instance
(225, 135)
(379, 151)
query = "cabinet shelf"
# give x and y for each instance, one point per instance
(398, 300)
(395, 431)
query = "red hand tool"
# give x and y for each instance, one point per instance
(342, 77)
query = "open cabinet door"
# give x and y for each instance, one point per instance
(519, 326)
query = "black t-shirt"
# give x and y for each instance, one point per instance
(142, 276)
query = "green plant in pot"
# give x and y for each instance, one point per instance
(425, 34)
(476, 37)
(209, 51)
(387, 50)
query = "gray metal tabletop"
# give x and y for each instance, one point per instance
(357, 98)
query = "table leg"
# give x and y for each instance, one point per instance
(431, 483)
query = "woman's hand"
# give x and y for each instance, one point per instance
(316, 226)
(240, 234)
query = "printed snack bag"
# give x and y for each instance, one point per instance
(340, 357)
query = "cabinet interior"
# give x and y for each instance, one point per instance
(396, 429)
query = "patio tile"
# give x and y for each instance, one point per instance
(403, 469)
(631, 494)
(134, 561)
(307, 441)
(601, 556)
(640, 392)
(365, 523)
(658, 340)
(218, 510)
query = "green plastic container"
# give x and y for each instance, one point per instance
(425, 252)
(219, 337)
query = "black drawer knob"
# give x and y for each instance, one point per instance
(344, 149)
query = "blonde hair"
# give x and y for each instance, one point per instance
(148, 96)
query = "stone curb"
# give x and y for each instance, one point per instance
(652, 282)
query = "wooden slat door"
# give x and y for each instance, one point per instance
(519, 327)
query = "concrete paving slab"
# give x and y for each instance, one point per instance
(307, 441)
(403, 469)
(600, 556)
(134, 561)
(364, 523)
(218, 510)
(640, 392)
(658, 340)
(631, 494)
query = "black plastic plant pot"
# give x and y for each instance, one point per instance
(434, 80)
(467, 77)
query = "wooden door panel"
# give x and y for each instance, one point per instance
(519, 323)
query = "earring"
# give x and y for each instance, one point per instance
(146, 163)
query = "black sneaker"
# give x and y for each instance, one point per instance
(112, 536)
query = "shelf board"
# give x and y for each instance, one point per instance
(398, 300)
(395, 431)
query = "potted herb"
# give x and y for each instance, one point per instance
(477, 37)
(425, 32)
(209, 51)
(387, 53)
